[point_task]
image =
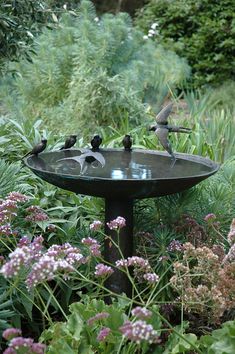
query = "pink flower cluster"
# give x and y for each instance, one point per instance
(141, 312)
(8, 211)
(10, 333)
(142, 269)
(93, 246)
(42, 265)
(27, 345)
(102, 270)
(56, 260)
(134, 261)
(210, 217)
(19, 344)
(138, 331)
(99, 316)
(22, 256)
(36, 214)
(175, 246)
(117, 223)
(103, 334)
(96, 225)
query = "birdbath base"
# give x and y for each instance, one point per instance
(118, 282)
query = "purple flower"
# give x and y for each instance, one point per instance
(138, 331)
(151, 278)
(57, 259)
(96, 225)
(10, 333)
(36, 214)
(17, 197)
(9, 351)
(210, 217)
(141, 312)
(27, 345)
(175, 246)
(134, 262)
(93, 245)
(117, 223)
(103, 333)
(97, 317)
(101, 270)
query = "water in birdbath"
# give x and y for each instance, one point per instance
(119, 165)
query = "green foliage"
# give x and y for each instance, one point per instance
(201, 31)
(20, 21)
(221, 341)
(86, 73)
(11, 179)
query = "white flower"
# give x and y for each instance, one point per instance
(154, 25)
(145, 37)
(152, 31)
(96, 19)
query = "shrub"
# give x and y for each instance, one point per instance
(202, 31)
(89, 72)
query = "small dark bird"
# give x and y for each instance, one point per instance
(96, 142)
(69, 142)
(162, 129)
(37, 149)
(127, 142)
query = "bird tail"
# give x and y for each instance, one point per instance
(27, 154)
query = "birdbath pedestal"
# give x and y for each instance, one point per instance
(122, 177)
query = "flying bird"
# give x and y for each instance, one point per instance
(37, 149)
(162, 129)
(69, 142)
(96, 142)
(127, 142)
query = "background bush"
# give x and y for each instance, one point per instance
(202, 31)
(90, 72)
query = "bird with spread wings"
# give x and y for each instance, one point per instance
(162, 129)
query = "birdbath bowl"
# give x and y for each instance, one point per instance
(121, 177)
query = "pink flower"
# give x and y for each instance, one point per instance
(97, 317)
(93, 245)
(17, 197)
(134, 261)
(24, 345)
(141, 312)
(151, 278)
(139, 331)
(96, 225)
(101, 270)
(117, 223)
(10, 333)
(210, 217)
(103, 333)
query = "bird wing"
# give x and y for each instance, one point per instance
(162, 116)
(162, 135)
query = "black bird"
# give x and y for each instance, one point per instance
(127, 142)
(37, 149)
(162, 129)
(69, 142)
(96, 142)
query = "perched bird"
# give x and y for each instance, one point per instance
(69, 142)
(37, 149)
(127, 142)
(96, 142)
(162, 129)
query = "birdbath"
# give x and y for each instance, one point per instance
(121, 177)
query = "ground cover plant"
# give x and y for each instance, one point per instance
(53, 294)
